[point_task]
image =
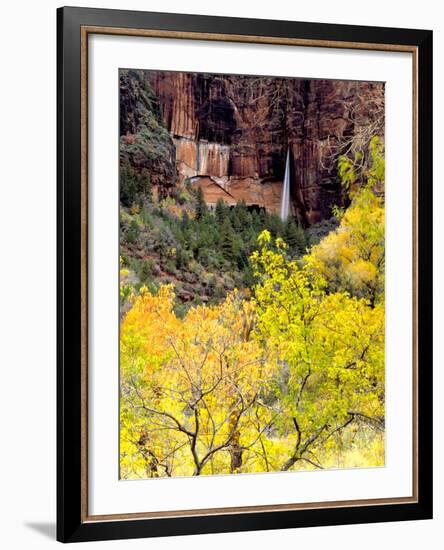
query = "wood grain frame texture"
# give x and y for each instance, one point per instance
(73, 521)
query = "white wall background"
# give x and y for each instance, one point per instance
(27, 276)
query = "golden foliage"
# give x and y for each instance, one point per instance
(291, 378)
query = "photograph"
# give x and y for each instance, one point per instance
(252, 274)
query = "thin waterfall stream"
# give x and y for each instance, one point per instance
(285, 201)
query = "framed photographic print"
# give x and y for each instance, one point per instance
(245, 266)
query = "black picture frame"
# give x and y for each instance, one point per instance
(72, 525)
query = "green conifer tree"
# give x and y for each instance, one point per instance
(227, 241)
(201, 206)
(146, 185)
(128, 185)
(295, 238)
(220, 211)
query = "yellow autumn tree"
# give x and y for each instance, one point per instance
(330, 352)
(352, 258)
(191, 388)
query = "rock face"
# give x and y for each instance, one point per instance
(231, 135)
(145, 143)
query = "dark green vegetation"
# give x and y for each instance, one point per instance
(147, 154)
(204, 253)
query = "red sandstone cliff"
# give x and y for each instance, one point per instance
(231, 134)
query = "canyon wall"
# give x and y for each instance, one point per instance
(231, 134)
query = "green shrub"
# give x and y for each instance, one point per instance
(145, 270)
(132, 232)
(170, 267)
